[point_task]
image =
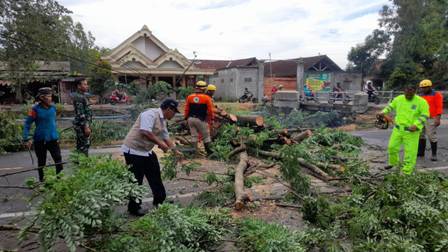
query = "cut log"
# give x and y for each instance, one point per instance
(240, 194)
(251, 121)
(224, 116)
(299, 137)
(316, 171)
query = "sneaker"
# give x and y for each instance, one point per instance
(434, 158)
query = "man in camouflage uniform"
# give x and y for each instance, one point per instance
(83, 117)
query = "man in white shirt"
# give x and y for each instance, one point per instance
(149, 129)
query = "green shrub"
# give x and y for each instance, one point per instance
(157, 91)
(10, 133)
(183, 92)
(257, 236)
(171, 228)
(77, 206)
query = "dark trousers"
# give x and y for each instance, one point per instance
(146, 167)
(82, 142)
(41, 147)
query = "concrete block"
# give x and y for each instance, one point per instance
(360, 102)
(286, 104)
(287, 95)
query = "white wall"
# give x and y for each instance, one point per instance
(231, 83)
(148, 48)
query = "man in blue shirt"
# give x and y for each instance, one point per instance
(43, 114)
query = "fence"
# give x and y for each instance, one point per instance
(347, 97)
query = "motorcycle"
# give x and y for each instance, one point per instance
(114, 99)
(247, 98)
(373, 97)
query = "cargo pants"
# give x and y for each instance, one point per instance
(409, 140)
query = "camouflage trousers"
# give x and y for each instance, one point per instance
(82, 142)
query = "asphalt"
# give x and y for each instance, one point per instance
(380, 138)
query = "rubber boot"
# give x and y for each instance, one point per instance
(421, 148)
(434, 151)
(208, 148)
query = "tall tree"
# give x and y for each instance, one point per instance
(27, 28)
(418, 48)
(363, 56)
(42, 30)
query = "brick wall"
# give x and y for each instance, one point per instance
(289, 83)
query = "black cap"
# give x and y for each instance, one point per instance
(44, 91)
(170, 103)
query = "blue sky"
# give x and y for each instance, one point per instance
(232, 29)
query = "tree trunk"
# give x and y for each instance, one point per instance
(240, 194)
(251, 121)
(315, 170)
(299, 137)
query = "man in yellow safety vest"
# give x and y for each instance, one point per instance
(411, 113)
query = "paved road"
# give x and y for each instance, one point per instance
(381, 138)
(14, 199)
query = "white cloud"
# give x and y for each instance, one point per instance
(231, 29)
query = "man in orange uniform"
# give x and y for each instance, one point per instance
(435, 102)
(198, 112)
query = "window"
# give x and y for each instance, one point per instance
(248, 79)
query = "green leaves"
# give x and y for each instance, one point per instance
(171, 228)
(158, 90)
(256, 235)
(171, 164)
(412, 38)
(10, 133)
(403, 213)
(81, 205)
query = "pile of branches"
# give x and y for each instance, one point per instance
(400, 213)
(171, 228)
(326, 154)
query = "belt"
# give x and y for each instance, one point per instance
(402, 127)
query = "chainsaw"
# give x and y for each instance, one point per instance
(383, 121)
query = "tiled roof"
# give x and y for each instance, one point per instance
(288, 68)
(220, 64)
